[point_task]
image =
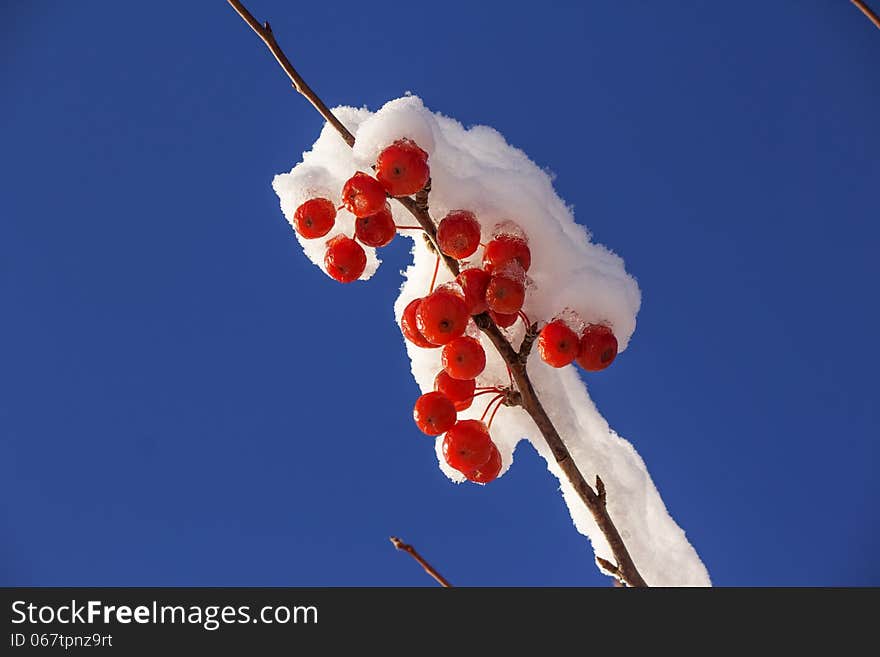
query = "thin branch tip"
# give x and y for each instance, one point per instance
(868, 12)
(428, 568)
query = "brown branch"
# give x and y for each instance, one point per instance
(264, 31)
(866, 10)
(528, 399)
(400, 545)
(525, 348)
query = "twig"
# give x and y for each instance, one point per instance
(264, 31)
(400, 545)
(866, 10)
(516, 361)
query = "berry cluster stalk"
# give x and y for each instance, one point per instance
(525, 396)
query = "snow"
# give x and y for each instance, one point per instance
(476, 169)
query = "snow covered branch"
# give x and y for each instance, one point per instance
(525, 396)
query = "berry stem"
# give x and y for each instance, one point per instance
(489, 405)
(434, 277)
(408, 227)
(489, 391)
(492, 417)
(625, 569)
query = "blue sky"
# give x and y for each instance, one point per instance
(185, 400)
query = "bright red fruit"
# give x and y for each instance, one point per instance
(464, 358)
(402, 168)
(558, 344)
(473, 283)
(458, 234)
(467, 445)
(410, 329)
(442, 316)
(314, 218)
(434, 413)
(502, 320)
(505, 294)
(376, 229)
(345, 259)
(488, 472)
(504, 249)
(597, 349)
(461, 392)
(363, 195)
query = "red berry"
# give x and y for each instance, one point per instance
(558, 344)
(345, 259)
(503, 250)
(434, 413)
(410, 329)
(502, 320)
(402, 168)
(376, 229)
(442, 316)
(464, 358)
(505, 294)
(597, 349)
(314, 218)
(467, 445)
(461, 392)
(459, 234)
(488, 472)
(363, 195)
(473, 283)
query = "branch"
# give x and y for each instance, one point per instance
(264, 31)
(528, 341)
(866, 10)
(418, 208)
(400, 545)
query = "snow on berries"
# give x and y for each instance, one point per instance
(473, 283)
(506, 291)
(402, 168)
(363, 195)
(523, 261)
(504, 250)
(558, 344)
(458, 234)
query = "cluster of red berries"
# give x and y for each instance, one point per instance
(593, 350)
(441, 318)
(401, 170)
